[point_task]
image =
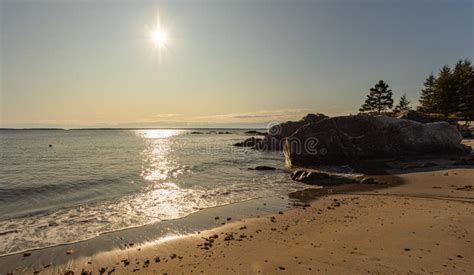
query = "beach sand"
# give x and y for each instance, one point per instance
(425, 225)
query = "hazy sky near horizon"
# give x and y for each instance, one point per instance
(227, 63)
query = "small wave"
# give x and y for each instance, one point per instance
(15, 193)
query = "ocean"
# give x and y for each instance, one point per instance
(89, 182)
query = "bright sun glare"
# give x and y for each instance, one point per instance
(158, 37)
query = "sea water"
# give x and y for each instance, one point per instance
(93, 181)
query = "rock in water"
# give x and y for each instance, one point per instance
(368, 180)
(253, 132)
(265, 168)
(320, 178)
(250, 142)
(347, 139)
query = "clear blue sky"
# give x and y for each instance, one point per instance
(91, 63)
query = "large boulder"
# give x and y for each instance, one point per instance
(274, 140)
(348, 139)
(417, 116)
(423, 118)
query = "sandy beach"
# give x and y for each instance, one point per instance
(425, 225)
(236, 137)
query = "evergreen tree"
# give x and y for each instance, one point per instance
(428, 94)
(466, 107)
(403, 104)
(445, 100)
(464, 77)
(378, 100)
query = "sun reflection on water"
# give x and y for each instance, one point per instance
(159, 162)
(158, 133)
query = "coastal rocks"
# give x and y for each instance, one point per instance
(422, 118)
(273, 141)
(419, 165)
(263, 168)
(465, 130)
(467, 160)
(250, 142)
(255, 133)
(320, 178)
(348, 139)
(369, 180)
(212, 132)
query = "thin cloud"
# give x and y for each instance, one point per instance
(258, 116)
(166, 115)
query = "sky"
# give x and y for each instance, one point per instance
(226, 63)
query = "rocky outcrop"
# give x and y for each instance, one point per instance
(348, 139)
(274, 140)
(423, 118)
(467, 160)
(263, 168)
(250, 142)
(320, 178)
(465, 130)
(252, 132)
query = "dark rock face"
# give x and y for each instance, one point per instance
(467, 160)
(348, 139)
(465, 131)
(418, 117)
(369, 180)
(250, 142)
(263, 168)
(255, 133)
(273, 141)
(422, 118)
(319, 178)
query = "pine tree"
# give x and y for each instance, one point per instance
(466, 107)
(378, 100)
(403, 104)
(445, 100)
(428, 94)
(463, 78)
(451, 92)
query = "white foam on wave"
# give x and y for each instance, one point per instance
(164, 202)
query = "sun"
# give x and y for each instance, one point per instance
(158, 37)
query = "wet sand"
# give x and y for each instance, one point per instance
(425, 225)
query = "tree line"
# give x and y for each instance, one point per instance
(450, 93)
